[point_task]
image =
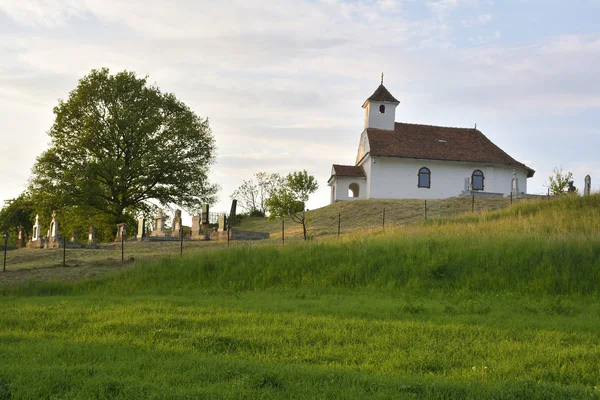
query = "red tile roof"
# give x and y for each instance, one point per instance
(349, 170)
(438, 143)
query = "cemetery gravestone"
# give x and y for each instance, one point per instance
(20, 239)
(159, 225)
(205, 218)
(54, 239)
(36, 241)
(121, 232)
(196, 233)
(92, 236)
(515, 184)
(588, 185)
(222, 223)
(233, 211)
(176, 224)
(141, 231)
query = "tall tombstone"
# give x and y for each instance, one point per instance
(222, 223)
(196, 228)
(20, 239)
(205, 210)
(176, 224)
(53, 233)
(121, 232)
(36, 229)
(233, 211)
(205, 218)
(587, 189)
(141, 231)
(159, 225)
(514, 186)
(36, 241)
(92, 236)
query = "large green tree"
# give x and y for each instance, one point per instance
(290, 197)
(120, 144)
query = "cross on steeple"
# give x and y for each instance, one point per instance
(382, 78)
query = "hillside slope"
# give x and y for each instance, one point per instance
(499, 305)
(368, 214)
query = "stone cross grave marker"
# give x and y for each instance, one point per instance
(121, 232)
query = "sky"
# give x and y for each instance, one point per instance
(282, 82)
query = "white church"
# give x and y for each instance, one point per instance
(408, 161)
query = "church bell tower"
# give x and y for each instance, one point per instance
(380, 109)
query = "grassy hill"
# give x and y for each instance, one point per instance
(498, 305)
(359, 215)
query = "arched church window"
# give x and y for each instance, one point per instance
(382, 108)
(424, 178)
(353, 190)
(477, 180)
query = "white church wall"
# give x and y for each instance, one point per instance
(342, 185)
(366, 164)
(398, 178)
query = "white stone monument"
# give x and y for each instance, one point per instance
(36, 229)
(53, 233)
(514, 189)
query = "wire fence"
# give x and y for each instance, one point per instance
(60, 252)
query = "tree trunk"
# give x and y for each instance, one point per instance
(304, 224)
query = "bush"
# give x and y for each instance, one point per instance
(256, 213)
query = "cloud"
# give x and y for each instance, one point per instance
(47, 13)
(484, 18)
(283, 82)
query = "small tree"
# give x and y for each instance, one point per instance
(290, 197)
(559, 181)
(253, 194)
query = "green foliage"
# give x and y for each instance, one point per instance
(119, 143)
(289, 199)
(17, 213)
(253, 194)
(559, 181)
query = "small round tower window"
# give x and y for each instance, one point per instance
(382, 108)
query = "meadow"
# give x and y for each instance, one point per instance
(495, 305)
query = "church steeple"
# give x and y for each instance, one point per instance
(380, 109)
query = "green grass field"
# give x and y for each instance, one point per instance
(497, 305)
